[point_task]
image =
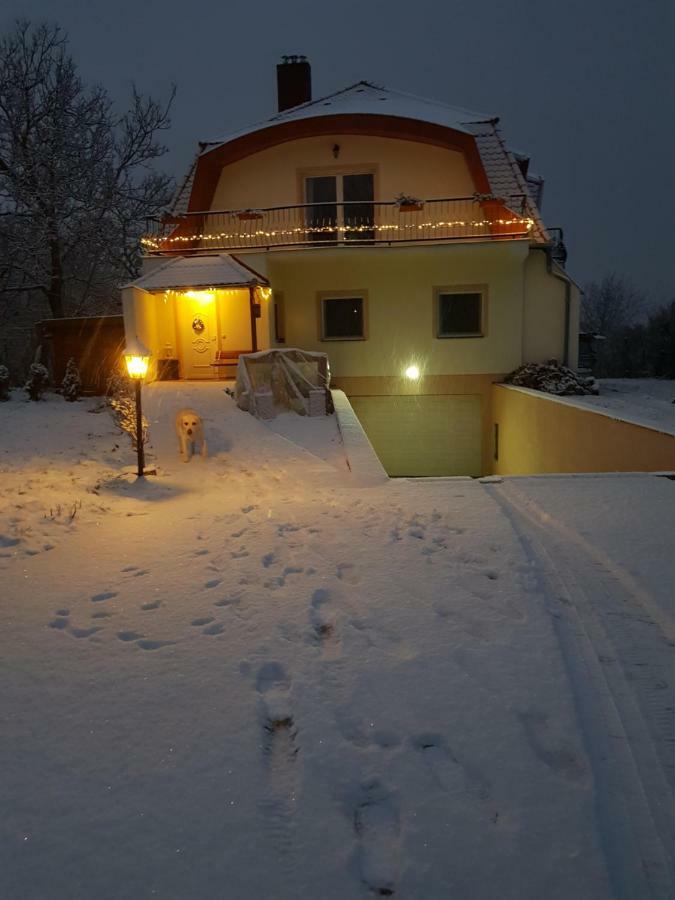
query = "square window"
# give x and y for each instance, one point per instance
(460, 314)
(342, 318)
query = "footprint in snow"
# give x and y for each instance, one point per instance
(215, 628)
(202, 552)
(105, 595)
(550, 746)
(153, 645)
(449, 771)
(378, 829)
(347, 572)
(205, 620)
(152, 604)
(214, 582)
(322, 620)
(85, 632)
(273, 685)
(127, 636)
(269, 559)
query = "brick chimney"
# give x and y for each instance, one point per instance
(294, 82)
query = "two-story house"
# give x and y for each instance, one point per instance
(397, 234)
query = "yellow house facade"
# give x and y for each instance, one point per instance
(398, 235)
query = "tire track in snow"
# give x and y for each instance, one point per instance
(600, 625)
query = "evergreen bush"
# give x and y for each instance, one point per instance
(71, 386)
(38, 379)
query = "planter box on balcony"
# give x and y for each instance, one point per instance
(410, 207)
(249, 216)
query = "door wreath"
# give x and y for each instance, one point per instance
(198, 325)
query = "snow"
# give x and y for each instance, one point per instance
(253, 676)
(220, 270)
(644, 401)
(364, 98)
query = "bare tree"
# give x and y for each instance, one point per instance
(75, 177)
(610, 305)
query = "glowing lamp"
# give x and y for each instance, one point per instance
(412, 372)
(136, 358)
(137, 366)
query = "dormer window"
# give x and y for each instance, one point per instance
(340, 207)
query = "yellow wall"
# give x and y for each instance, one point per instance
(141, 321)
(538, 434)
(400, 305)
(544, 315)
(273, 177)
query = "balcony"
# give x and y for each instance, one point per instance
(478, 218)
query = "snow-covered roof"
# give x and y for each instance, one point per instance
(365, 98)
(220, 270)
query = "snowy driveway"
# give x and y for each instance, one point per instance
(252, 679)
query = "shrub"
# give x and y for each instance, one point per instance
(4, 383)
(38, 379)
(120, 398)
(71, 386)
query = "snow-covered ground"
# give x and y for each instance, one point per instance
(251, 677)
(645, 401)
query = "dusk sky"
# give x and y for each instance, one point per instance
(585, 87)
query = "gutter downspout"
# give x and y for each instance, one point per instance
(568, 301)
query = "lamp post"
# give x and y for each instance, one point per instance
(137, 357)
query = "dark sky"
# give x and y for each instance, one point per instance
(585, 87)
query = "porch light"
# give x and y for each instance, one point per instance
(265, 292)
(201, 296)
(412, 372)
(137, 357)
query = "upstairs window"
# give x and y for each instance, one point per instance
(336, 201)
(342, 318)
(460, 313)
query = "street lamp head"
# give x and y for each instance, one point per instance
(136, 357)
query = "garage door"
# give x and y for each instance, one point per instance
(424, 435)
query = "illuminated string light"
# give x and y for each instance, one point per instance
(153, 243)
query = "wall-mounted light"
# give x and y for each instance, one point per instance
(336, 151)
(412, 372)
(201, 296)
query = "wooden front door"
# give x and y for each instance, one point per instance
(198, 330)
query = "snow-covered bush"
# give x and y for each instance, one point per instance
(4, 383)
(552, 379)
(38, 379)
(120, 398)
(71, 386)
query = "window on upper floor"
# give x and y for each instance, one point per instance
(340, 201)
(460, 311)
(343, 316)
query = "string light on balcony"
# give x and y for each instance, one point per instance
(152, 243)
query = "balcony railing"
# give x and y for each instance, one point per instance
(481, 217)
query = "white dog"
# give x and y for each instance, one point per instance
(190, 431)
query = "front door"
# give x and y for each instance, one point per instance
(198, 330)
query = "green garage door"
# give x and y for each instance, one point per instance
(424, 435)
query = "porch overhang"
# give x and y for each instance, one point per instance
(199, 273)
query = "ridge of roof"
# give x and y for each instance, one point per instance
(297, 112)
